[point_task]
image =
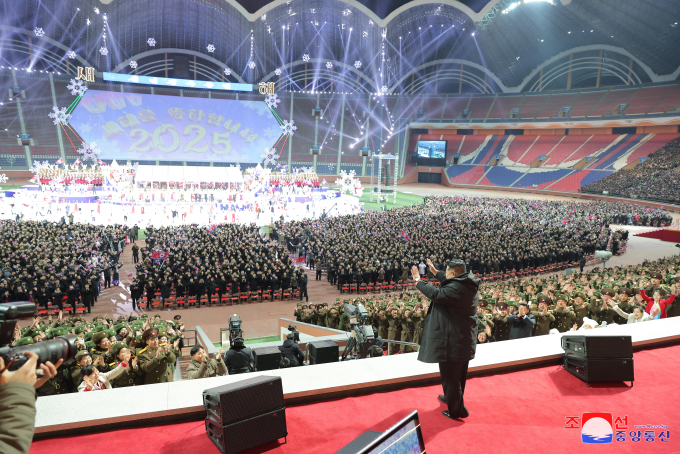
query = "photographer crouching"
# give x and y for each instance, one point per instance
(291, 350)
(450, 333)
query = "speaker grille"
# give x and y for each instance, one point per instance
(248, 433)
(244, 399)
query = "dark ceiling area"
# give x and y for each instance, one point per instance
(381, 8)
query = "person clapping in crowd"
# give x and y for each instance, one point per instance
(202, 366)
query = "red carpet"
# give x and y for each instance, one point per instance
(670, 235)
(514, 412)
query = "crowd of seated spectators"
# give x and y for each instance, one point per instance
(656, 178)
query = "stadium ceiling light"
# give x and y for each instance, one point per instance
(568, 33)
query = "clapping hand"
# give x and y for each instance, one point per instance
(176, 344)
(611, 303)
(415, 273)
(487, 330)
(134, 362)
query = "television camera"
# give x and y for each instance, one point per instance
(362, 335)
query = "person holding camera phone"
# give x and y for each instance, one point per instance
(450, 331)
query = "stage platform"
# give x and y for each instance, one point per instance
(166, 402)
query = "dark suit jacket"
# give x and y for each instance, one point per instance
(450, 332)
(521, 326)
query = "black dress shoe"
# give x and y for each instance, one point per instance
(464, 415)
(442, 398)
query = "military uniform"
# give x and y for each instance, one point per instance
(543, 322)
(156, 369)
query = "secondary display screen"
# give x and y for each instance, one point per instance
(173, 128)
(432, 148)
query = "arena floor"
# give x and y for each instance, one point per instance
(260, 319)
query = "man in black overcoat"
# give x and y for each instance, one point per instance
(450, 333)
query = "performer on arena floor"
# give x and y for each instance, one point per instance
(450, 333)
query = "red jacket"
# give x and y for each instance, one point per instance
(662, 303)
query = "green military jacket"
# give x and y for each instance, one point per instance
(156, 370)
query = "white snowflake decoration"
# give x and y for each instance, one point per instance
(370, 22)
(211, 48)
(88, 21)
(264, 17)
(103, 51)
(133, 64)
(39, 32)
(383, 33)
(90, 152)
(227, 72)
(348, 181)
(70, 54)
(269, 156)
(347, 12)
(151, 42)
(305, 58)
(59, 116)
(288, 127)
(96, 10)
(384, 88)
(272, 100)
(77, 87)
(357, 64)
(37, 166)
(317, 197)
(329, 65)
(251, 65)
(277, 71)
(364, 34)
(3, 179)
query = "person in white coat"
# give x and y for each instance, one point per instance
(638, 315)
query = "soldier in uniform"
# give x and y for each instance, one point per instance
(600, 309)
(623, 295)
(202, 366)
(580, 307)
(393, 321)
(544, 318)
(83, 358)
(564, 317)
(501, 323)
(133, 375)
(155, 361)
(407, 327)
(101, 351)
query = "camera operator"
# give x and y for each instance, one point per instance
(239, 358)
(291, 350)
(17, 402)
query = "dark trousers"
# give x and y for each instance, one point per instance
(107, 281)
(134, 304)
(318, 274)
(135, 258)
(303, 292)
(454, 375)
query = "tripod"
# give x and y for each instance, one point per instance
(349, 348)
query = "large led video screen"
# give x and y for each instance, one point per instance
(143, 127)
(432, 148)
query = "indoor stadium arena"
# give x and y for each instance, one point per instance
(312, 222)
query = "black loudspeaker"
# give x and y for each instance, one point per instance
(180, 65)
(321, 352)
(267, 358)
(244, 399)
(247, 433)
(600, 370)
(599, 358)
(598, 347)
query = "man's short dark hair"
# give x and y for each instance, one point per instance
(195, 349)
(290, 336)
(457, 265)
